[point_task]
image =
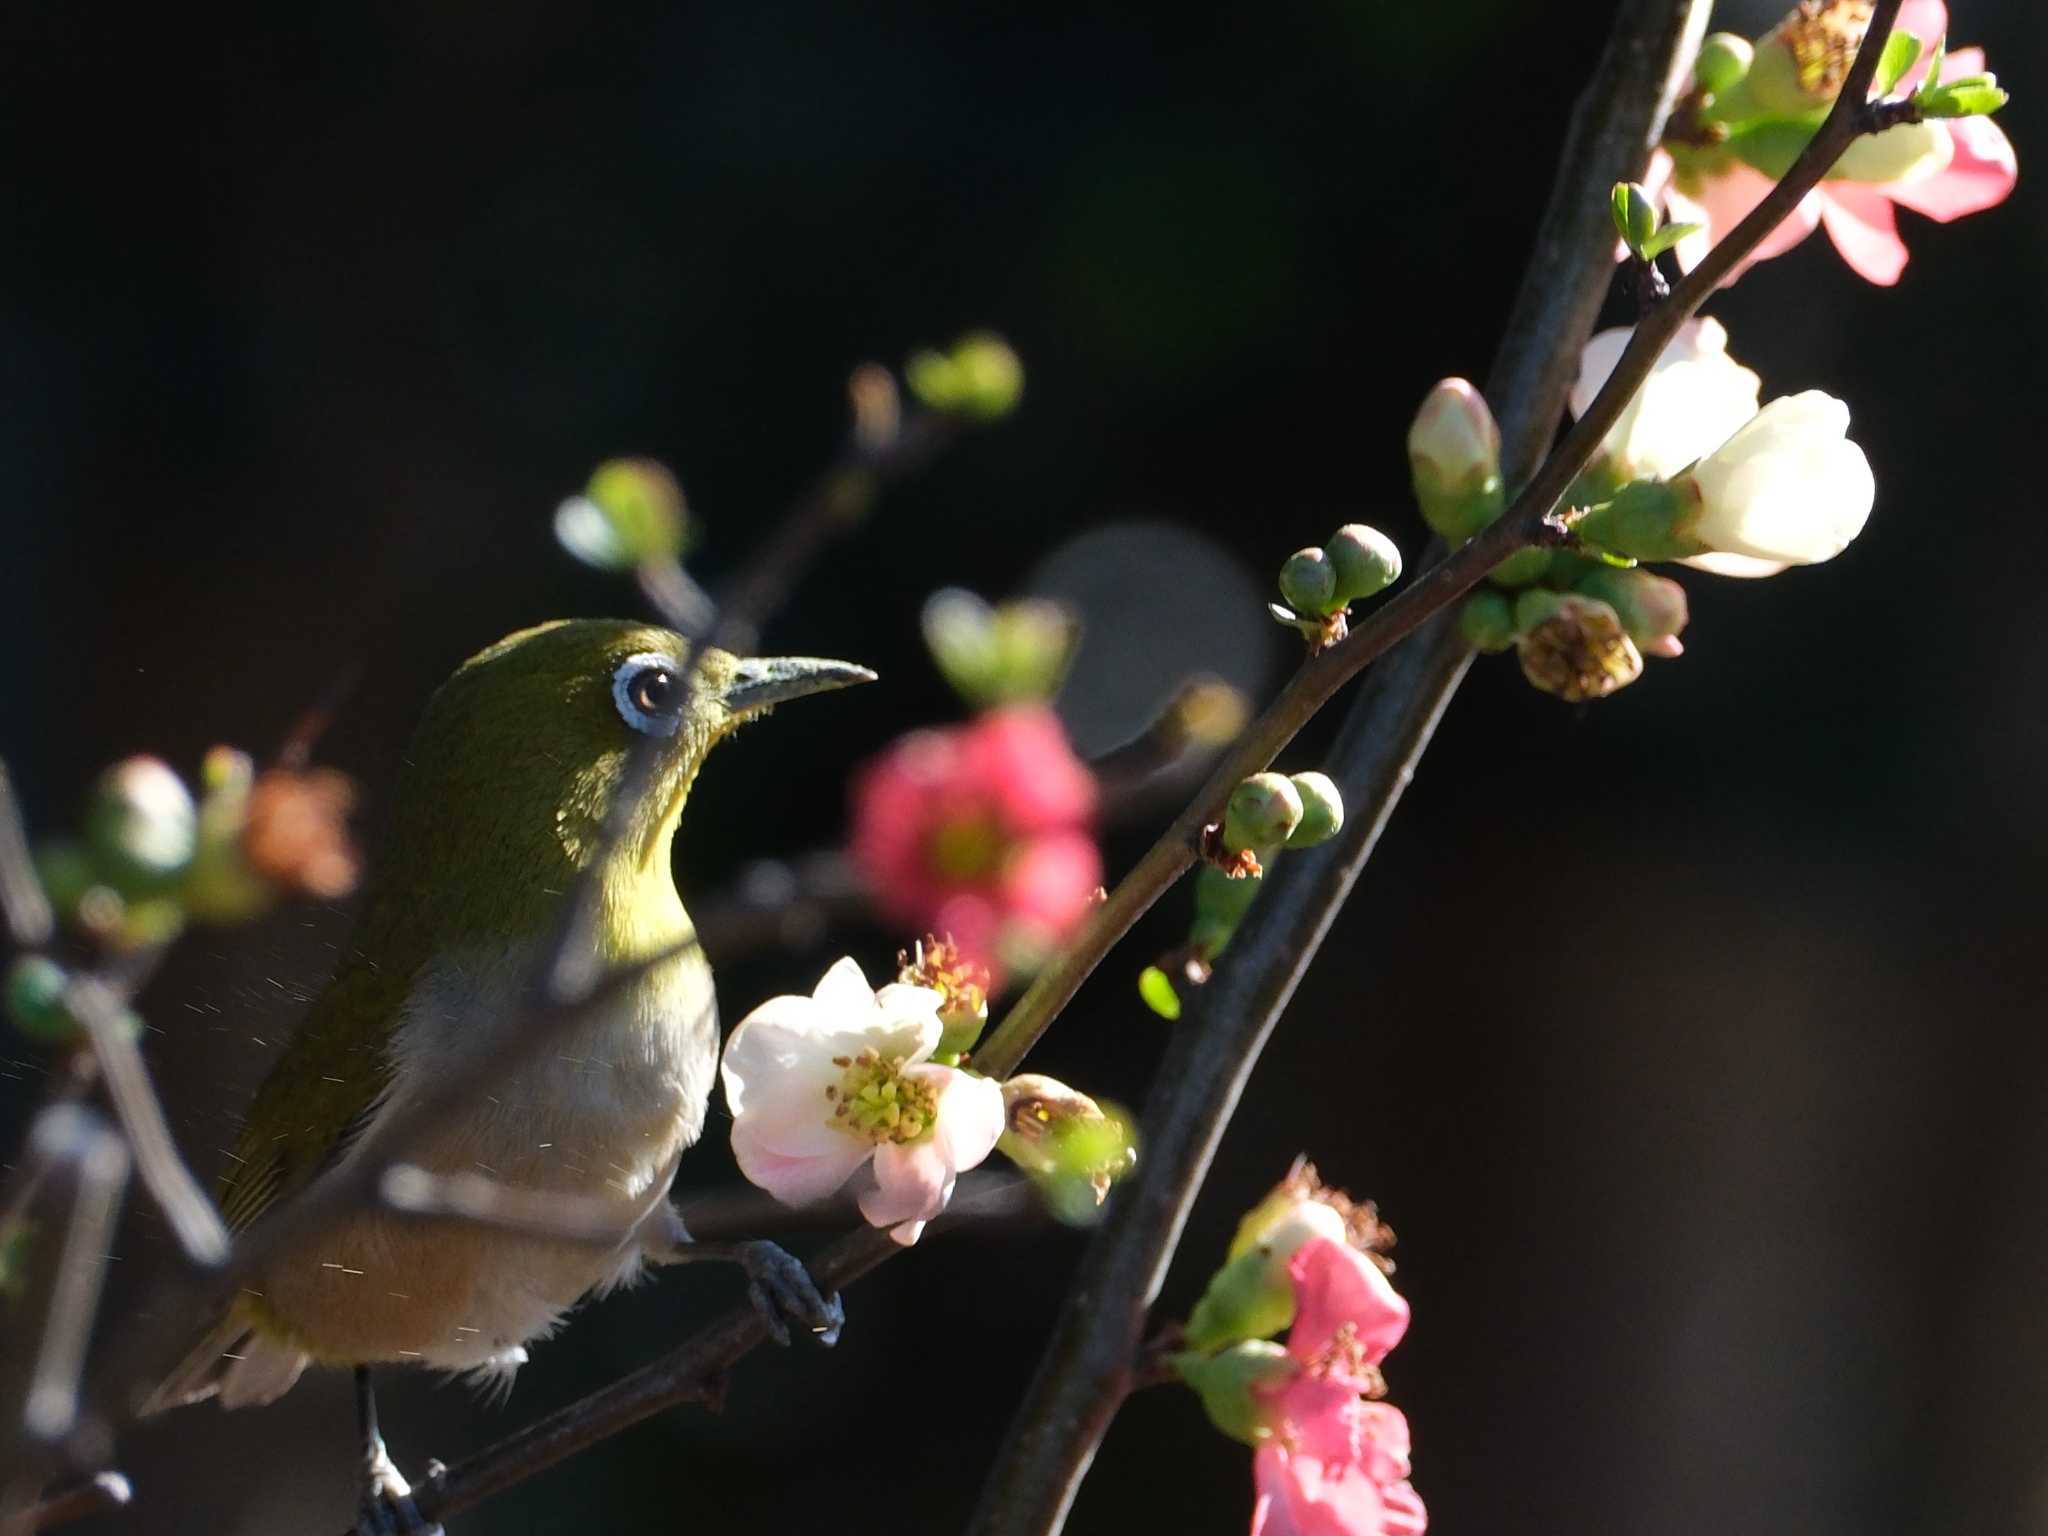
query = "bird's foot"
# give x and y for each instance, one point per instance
(782, 1291)
(388, 1507)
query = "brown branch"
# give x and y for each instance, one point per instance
(99, 1494)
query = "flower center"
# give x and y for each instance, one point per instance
(874, 1101)
(966, 849)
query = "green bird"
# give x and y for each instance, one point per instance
(500, 811)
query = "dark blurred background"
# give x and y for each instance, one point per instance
(1691, 1041)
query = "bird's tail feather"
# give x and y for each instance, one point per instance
(234, 1362)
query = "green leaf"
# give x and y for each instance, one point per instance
(1933, 80)
(1666, 237)
(1974, 96)
(1635, 216)
(1900, 51)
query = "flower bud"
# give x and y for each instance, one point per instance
(1364, 560)
(980, 378)
(1573, 646)
(35, 999)
(632, 512)
(1724, 59)
(1221, 902)
(1308, 583)
(1788, 486)
(1454, 457)
(1487, 621)
(1521, 568)
(1799, 65)
(142, 826)
(1652, 608)
(1233, 1384)
(1322, 811)
(1055, 1133)
(1263, 812)
(1250, 1297)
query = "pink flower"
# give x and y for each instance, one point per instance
(1969, 166)
(1336, 1463)
(980, 832)
(820, 1085)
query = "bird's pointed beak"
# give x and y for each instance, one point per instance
(761, 682)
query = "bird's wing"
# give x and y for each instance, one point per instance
(319, 1093)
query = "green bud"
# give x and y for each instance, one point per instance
(1227, 1382)
(980, 378)
(1250, 1297)
(1652, 608)
(35, 999)
(1073, 1147)
(1220, 905)
(1487, 621)
(631, 513)
(1641, 522)
(1015, 653)
(141, 826)
(1635, 216)
(1263, 812)
(1900, 50)
(1364, 560)
(1322, 811)
(1521, 568)
(1155, 987)
(1724, 59)
(67, 873)
(1308, 583)
(1454, 459)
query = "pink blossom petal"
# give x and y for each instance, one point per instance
(1383, 1441)
(773, 1053)
(1860, 222)
(1980, 175)
(796, 1179)
(1722, 203)
(1319, 1416)
(1336, 1285)
(1051, 880)
(970, 1114)
(1300, 1496)
(1403, 1514)
(912, 1183)
(1020, 756)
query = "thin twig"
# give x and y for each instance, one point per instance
(99, 1494)
(88, 1166)
(30, 923)
(192, 1218)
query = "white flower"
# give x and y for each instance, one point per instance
(1787, 486)
(1694, 399)
(818, 1085)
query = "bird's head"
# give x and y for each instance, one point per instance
(512, 775)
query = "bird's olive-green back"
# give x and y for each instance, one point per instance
(500, 804)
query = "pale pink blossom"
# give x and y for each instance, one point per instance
(1336, 1463)
(820, 1085)
(1972, 167)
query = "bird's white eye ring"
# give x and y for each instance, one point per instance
(648, 690)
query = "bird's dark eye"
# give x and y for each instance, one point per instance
(648, 690)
